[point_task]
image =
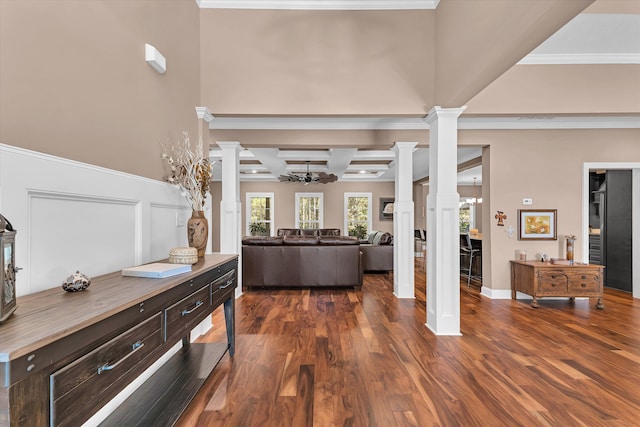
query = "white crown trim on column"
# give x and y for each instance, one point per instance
(203, 113)
(320, 4)
(580, 58)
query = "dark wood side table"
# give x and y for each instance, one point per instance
(64, 355)
(544, 279)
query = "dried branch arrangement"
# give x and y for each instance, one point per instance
(189, 170)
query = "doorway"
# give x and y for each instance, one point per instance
(611, 206)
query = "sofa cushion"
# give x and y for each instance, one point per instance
(300, 241)
(377, 237)
(372, 235)
(308, 231)
(262, 240)
(288, 231)
(337, 240)
(385, 238)
(328, 232)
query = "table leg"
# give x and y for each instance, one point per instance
(229, 318)
(534, 304)
(599, 304)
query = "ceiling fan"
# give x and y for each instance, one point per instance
(308, 178)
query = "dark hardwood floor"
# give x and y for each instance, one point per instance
(344, 358)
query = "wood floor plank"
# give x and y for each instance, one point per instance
(339, 357)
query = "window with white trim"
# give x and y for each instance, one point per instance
(309, 210)
(357, 214)
(260, 214)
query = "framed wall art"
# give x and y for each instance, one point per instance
(537, 224)
(386, 208)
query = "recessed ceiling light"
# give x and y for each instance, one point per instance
(254, 171)
(363, 171)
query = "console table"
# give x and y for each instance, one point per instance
(64, 355)
(544, 279)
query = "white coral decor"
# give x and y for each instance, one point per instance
(190, 171)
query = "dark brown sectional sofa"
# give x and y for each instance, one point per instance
(377, 252)
(301, 261)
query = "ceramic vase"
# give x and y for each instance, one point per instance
(198, 232)
(571, 241)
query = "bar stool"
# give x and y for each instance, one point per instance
(467, 250)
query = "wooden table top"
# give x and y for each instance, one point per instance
(540, 264)
(47, 316)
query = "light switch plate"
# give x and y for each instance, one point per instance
(180, 221)
(527, 202)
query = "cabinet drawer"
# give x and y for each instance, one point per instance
(221, 285)
(584, 282)
(184, 315)
(88, 382)
(552, 282)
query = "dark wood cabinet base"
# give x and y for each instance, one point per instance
(171, 388)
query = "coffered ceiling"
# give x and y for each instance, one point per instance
(349, 164)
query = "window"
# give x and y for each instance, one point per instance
(309, 210)
(467, 216)
(260, 214)
(357, 214)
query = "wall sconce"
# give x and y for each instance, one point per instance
(155, 58)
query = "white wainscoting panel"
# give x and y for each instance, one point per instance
(74, 216)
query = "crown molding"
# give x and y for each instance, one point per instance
(320, 123)
(319, 4)
(580, 58)
(420, 123)
(203, 113)
(550, 122)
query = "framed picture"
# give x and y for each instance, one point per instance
(386, 208)
(537, 224)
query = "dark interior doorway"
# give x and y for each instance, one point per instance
(610, 226)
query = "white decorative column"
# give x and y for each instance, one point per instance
(230, 217)
(403, 222)
(443, 217)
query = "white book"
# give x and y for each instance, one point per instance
(156, 270)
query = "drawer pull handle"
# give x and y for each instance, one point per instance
(584, 277)
(584, 285)
(134, 347)
(192, 309)
(226, 285)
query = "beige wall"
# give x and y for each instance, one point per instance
(317, 62)
(561, 89)
(475, 43)
(545, 165)
(75, 83)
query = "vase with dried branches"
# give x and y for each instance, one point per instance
(190, 171)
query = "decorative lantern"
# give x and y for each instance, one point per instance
(8, 269)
